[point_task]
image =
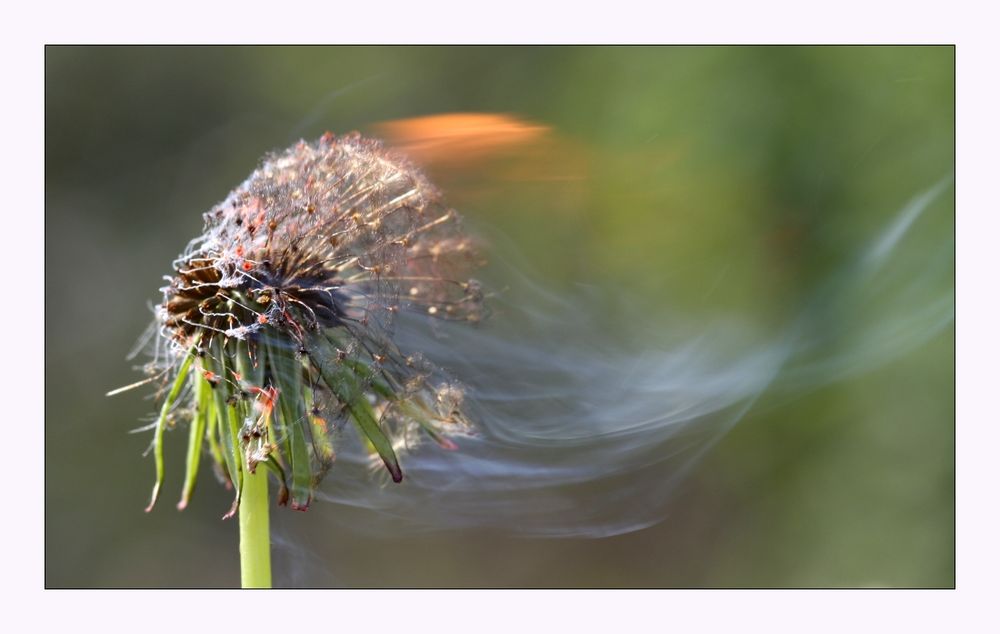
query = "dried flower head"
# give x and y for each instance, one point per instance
(276, 328)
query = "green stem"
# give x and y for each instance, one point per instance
(255, 532)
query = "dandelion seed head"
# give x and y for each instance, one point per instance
(289, 296)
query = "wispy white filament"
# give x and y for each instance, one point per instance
(580, 437)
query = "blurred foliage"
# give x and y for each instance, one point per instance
(719, 180)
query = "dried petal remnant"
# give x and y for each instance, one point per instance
(289, 296)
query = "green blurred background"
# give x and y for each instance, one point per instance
(718, 180)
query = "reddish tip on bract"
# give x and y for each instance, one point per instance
(447, 444)
(395, 471)
(232, 510)
(152, 501)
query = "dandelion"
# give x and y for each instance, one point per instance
(276, 328)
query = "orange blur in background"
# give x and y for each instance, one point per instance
(467, 141)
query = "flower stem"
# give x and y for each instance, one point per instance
(255, 532)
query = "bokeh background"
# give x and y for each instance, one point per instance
(701, 180)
